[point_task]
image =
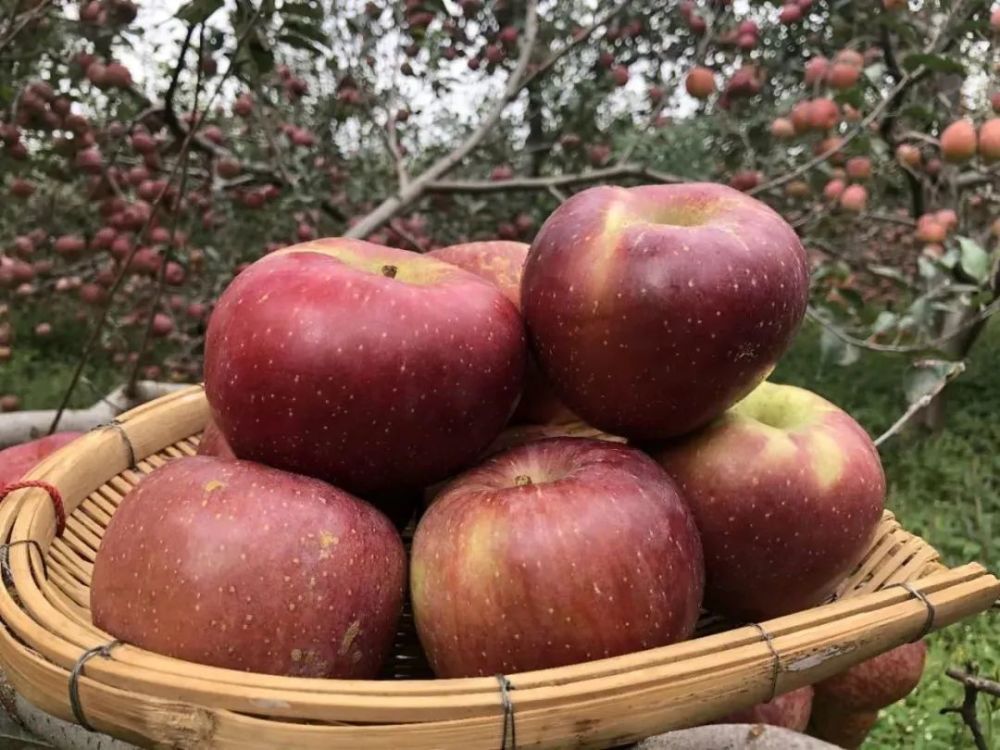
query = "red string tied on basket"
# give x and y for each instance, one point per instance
(57, 501)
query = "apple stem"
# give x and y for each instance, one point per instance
(389, 271)
(522, 480)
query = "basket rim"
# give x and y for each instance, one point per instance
(59, 640)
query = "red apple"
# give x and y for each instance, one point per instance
(846, 706)
(787, 491)
(556, 552)
(373, 368)
(958, 141)
(989, 140)
(700, 83)
(790, 710)
(321, 598)
(213, 442)
(653, 309)
(877, 682)
(18, 460)
(502, 264)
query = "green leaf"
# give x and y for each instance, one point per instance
(975, 261)
(937, 63)
(885, 321)
(920, 381)
(834, 349)
(198, 11)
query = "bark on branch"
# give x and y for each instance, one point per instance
(21, 426)
(553, 181)
(519, 79)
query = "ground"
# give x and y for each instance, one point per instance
(945, 487)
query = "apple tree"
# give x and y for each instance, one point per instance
(148, 155)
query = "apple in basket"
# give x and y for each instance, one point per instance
(554, 552)
(790, 710)
(652, 309)
(398, 505)
(502, 263)
(213, 442)
(18, 460)
(234, 564)
(372, 368)
(787, 491)
(847, 704)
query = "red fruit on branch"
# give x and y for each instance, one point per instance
(163, 325)
(854, 198)
(700, 83)
(989, 140)
(958, 141)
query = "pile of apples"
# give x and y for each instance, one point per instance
(356, 389)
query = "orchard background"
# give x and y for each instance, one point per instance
(148, 153)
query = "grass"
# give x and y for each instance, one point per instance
(945, 487)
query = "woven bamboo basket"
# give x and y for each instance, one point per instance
(156, 701)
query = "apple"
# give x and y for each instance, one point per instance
(859, 167)
(18, 460)
(653, 309)
(502, 264)
(908, 155)
(787, 491)
(989, 140)
(783, 128)
(373, 368)
(877, 682)
(213, 442)
(251, 568)
(700, 82)
(790, 710)
(816, 69)
(846, 705)
(854, 198)
(843, 75)
(958, 141)
(555, 552)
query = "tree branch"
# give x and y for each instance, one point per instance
(20, 426)
(26, 19)
(860, 128)
(956, 369)
(968, 708)
(981, 684)
(519, 79)
(552, 181)
(932, 344)
(105, 310)
(416, 188)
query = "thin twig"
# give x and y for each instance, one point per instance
(578, 39)
(416, 187)
(983, 685)
(968, 708)
(398, 228)
(956, 369)
(934, 343)
(102, 317)
(26, 19)
(161, 276)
